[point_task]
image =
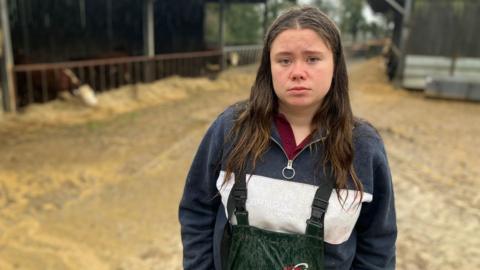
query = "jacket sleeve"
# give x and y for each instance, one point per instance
(376, 228)
(201, 201)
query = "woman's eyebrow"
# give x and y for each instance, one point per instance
(282, 53)
(305, 52)
(313, 52)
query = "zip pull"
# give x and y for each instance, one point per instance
(288, 172)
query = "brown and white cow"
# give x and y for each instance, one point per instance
(42, 86)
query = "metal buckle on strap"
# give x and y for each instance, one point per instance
(319, 207)
(240, 193)
(240, 198)
(319, 203)
(317, 213)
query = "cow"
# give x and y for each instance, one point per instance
(45, 85)
(83, 91)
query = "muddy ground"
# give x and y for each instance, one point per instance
(84, 188)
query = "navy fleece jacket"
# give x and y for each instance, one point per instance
(355, 237)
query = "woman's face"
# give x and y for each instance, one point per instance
(302, 69)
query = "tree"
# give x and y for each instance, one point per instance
(352, 18)
(275, 7)
(243, 24)
(325, 6)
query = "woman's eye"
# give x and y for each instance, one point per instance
(284, 61)
(313, 59)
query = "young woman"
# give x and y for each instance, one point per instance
(289, 179)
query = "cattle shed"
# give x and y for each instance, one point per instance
(432, 39)
(52, 31)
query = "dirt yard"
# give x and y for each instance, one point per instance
(96, 189)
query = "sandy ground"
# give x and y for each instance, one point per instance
(84, 188)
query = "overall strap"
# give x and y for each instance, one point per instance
(238, 198)
(319, 206)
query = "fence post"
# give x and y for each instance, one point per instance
(149, 37)
(6, 65)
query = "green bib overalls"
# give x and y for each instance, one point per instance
(249, 248)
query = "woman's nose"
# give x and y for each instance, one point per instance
(298, 72)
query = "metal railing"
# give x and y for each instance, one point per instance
(43, 82)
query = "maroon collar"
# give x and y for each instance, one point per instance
(288, 138)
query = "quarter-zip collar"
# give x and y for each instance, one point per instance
(287, 136)
(314, 138)
(288, 171)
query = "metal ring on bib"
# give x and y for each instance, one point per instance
(288, 176)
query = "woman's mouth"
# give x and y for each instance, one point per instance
(298, 88)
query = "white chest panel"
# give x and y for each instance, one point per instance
(285, 206)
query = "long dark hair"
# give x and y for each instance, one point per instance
(251, 130)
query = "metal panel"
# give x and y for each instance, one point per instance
(453, 88)
(467, 67)
(419, 67)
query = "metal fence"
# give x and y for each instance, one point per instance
(43, 82)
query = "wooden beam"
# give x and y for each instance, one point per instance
(403, 42)
(396, 50)
(396, 6)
